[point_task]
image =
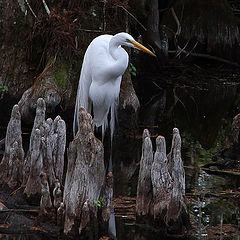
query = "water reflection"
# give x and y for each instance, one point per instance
(213, 201)
(204, 117)
(197, 111)
(213, 206)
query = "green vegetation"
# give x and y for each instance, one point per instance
(203, 155)
(61, 75)
(3, 88)
(98, 203)
(132, 70)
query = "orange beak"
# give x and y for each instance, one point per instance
(141, 47)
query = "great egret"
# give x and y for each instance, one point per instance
(104, 63)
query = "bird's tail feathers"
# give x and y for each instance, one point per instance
(82, 99)
(104, 127)
(102, 120)
(113, 117)
(75, 118)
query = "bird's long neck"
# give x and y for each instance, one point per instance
(119, 56)
(114, 47)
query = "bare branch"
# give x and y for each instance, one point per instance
(130, 14)
(208, 57)
(33, 13)
(90, 30)
(177, 22)
(46, 7)
(182, 50)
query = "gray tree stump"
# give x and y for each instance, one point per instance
(107, 210)
(176, 206)
(162, 184)
(46, 151)
(144, 188)
(176, 146)
(48, 90)
(13, 160)
(46, 206)
(128, 107)
(33, 185)
(84, 179)
(161, 179)
(57, 194)
(107, 196)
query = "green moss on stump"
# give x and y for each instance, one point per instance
(61, 76)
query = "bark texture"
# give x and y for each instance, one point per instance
(13, 159)
(177, 208)
(45, 87)
(128, 107)
(160, 203)
(161, 179)
(46, 151)
(84, 179)
(14, 68)
(144, 188)
(46, 206)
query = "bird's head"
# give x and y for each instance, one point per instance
(129, 41)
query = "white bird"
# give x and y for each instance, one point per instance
(104, 63)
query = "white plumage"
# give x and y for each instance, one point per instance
(104, 63)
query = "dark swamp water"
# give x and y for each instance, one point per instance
(203, 113)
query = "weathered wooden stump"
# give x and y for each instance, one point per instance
(161, 180)
(46, 152)
(107, 216)
(144, 188)
(160, 203)
(84, 180)
(46, 206)
(176, 205)
(42, 168)
(47, 90)
(128, 108)
(13, 160)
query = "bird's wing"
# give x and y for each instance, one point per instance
(104, 96)
(93, 57)
(82, 99)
